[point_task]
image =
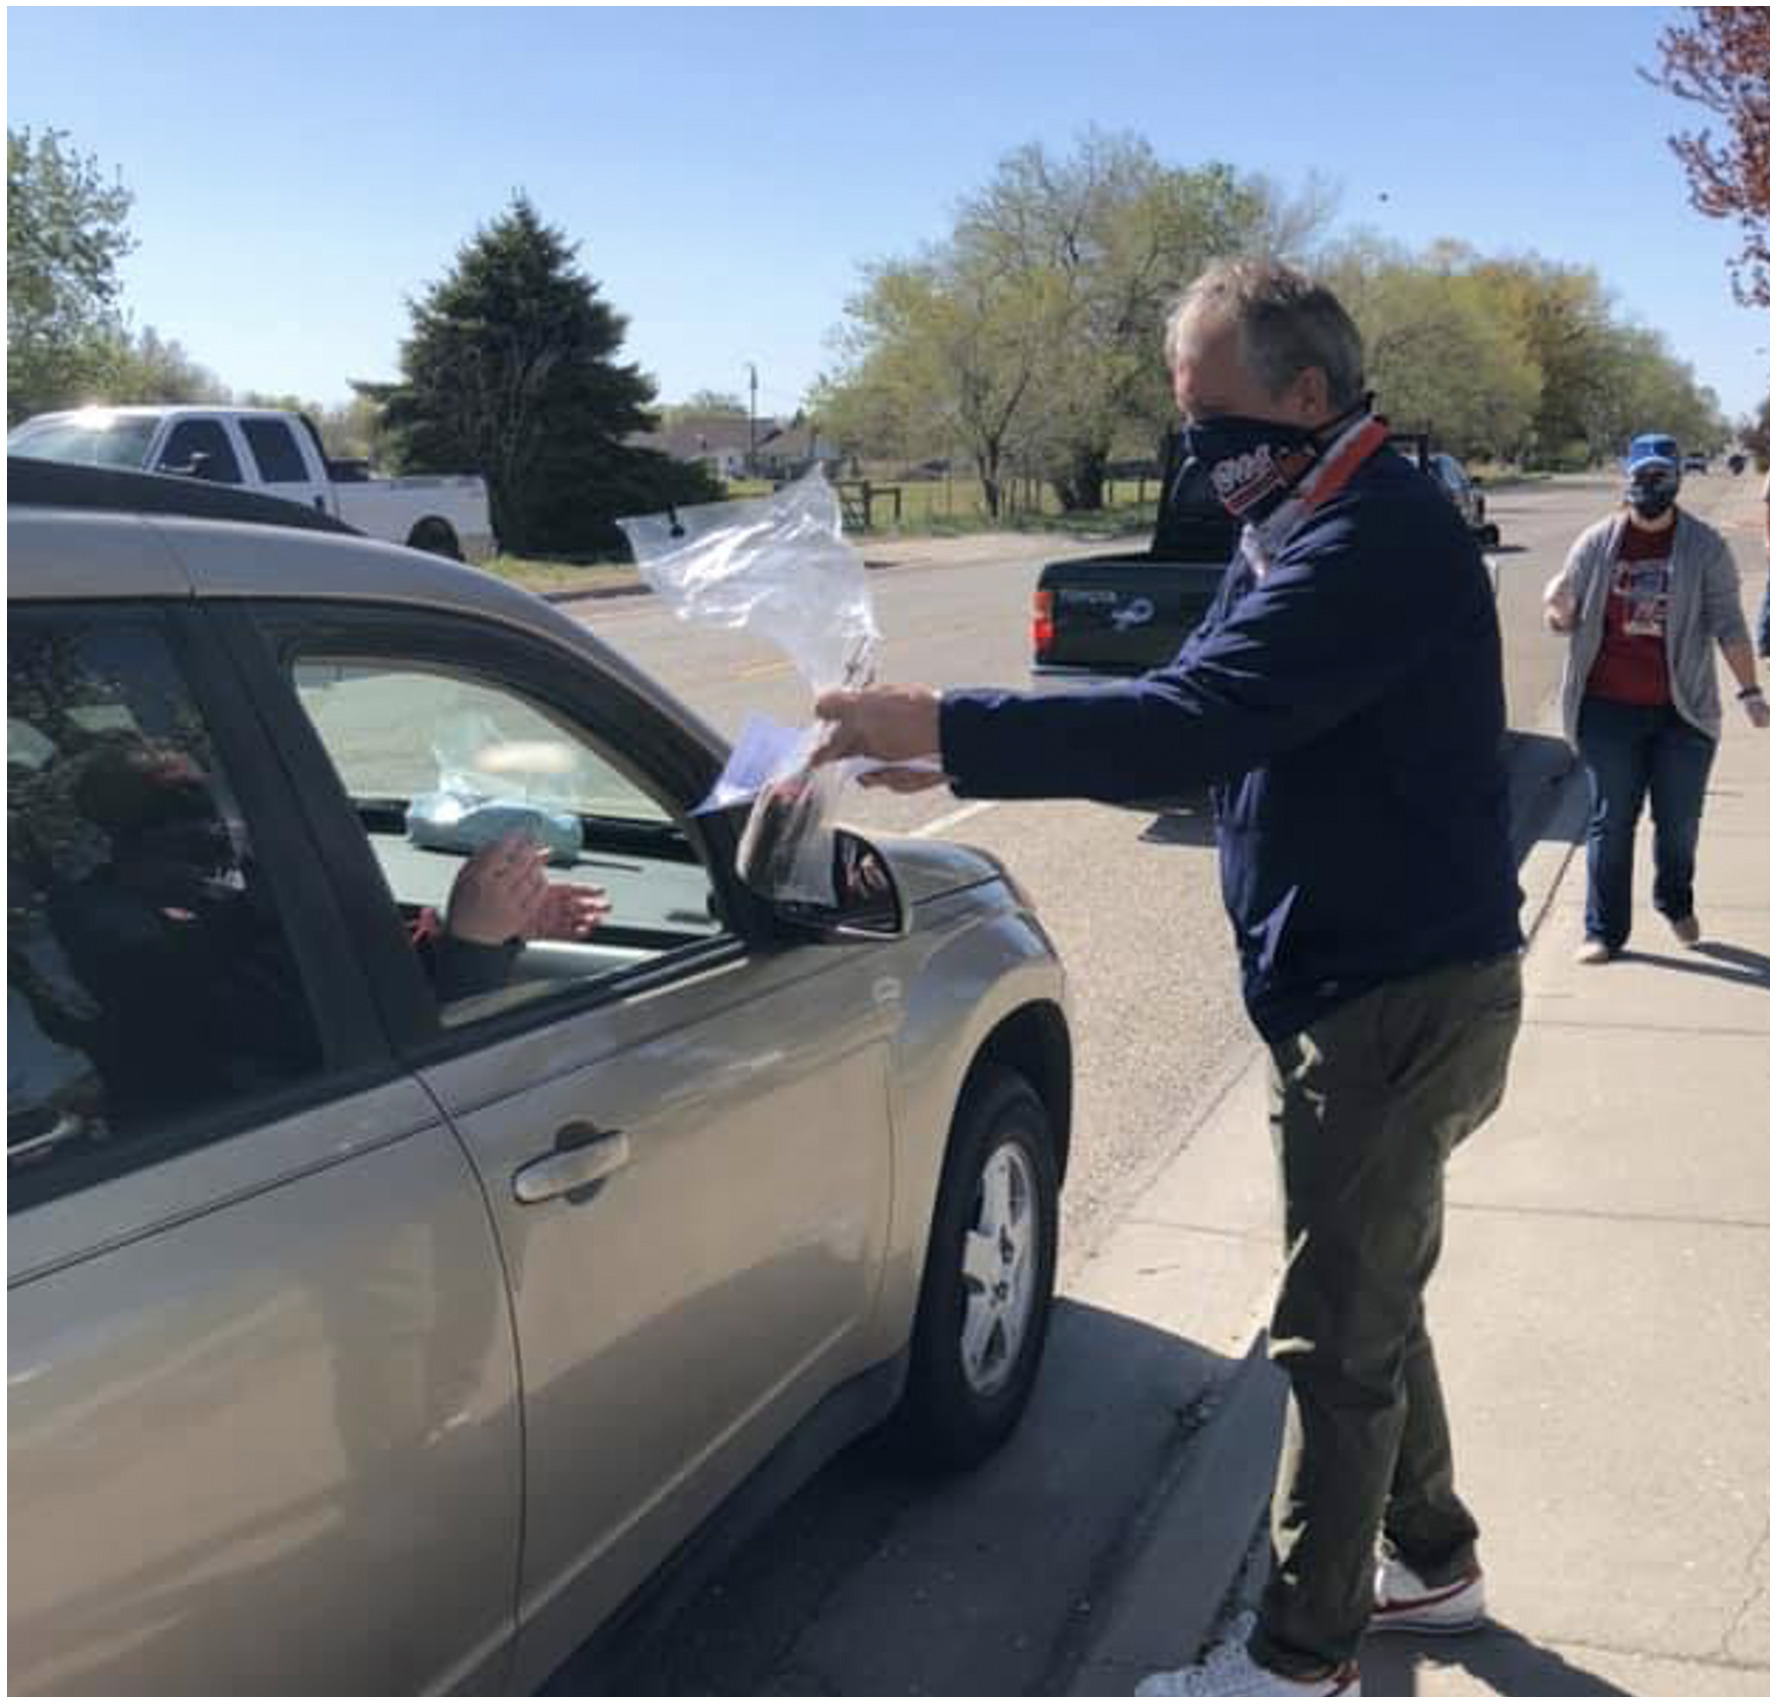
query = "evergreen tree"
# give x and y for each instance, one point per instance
(512, 371)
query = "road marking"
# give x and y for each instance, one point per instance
(952, 819)
(758, 671)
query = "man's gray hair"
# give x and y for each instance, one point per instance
(1285, 320)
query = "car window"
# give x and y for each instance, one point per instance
(275, 453)
(441, 766)
(191, 439)
(99, 439)
(150, 981)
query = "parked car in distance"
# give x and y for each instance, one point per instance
(274, 452)
(391, 1310)
(1697, 463)
(1451, 478)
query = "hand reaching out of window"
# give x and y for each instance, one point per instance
(502, 894)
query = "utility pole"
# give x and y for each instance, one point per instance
(752, 418)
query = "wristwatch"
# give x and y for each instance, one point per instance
(1751, 692)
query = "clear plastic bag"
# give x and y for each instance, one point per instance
(776, 566)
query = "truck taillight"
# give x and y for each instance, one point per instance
(1043, 622)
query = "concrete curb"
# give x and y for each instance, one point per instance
(1228, 1472)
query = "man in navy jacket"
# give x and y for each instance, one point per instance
(1344, 702)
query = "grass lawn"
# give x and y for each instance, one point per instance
(539, 576)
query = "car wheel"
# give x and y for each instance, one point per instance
(437, 538)
(1490, 536)
(990, 1275)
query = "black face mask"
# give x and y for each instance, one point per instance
(1252, 464)
(1652, 492)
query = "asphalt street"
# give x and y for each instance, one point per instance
(873, 1582)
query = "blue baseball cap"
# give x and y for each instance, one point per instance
(1652, 449)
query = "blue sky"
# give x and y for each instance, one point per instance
(299, 172)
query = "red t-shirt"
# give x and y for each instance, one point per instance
(1631, 667)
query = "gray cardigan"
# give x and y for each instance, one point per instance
(1703, 611)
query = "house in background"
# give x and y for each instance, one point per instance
(785, 449)
(719, 441)
(790, 451)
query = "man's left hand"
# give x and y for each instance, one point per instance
(1759, 713)
(889, 723)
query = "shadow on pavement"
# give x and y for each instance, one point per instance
(1183, 823)
(1538, 767)
(1739, 965)
(1507, 1663)
(879, 1579)
(1757, 965)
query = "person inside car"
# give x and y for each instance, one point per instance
(174, 936)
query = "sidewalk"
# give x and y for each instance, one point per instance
(1601, 1314)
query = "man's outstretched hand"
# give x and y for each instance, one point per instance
(888, 723)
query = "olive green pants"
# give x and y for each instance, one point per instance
(1367, 1105)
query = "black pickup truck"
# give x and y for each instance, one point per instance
(1128, 612)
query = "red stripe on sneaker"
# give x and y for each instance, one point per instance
(1397, 1606)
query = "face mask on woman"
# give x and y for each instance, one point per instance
(1652, 491)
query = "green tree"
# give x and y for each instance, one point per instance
(943, 354)
(66, 232)
(351, 430)
(1441, 354)
(511, 371)
(1755, 436)
(708, 402)
(1110, 235)
(1029, 339)
(147, 367)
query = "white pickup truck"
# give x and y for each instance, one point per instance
(274, 452)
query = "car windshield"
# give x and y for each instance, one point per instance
(99, 440)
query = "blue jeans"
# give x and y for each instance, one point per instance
(1632, 752)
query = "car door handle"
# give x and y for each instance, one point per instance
(585, 1156)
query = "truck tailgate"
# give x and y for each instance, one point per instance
(1124, 614)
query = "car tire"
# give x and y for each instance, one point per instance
(1489, 536)
(984, 1303)
(437, 539)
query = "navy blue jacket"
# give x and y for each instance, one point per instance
(1348, 712)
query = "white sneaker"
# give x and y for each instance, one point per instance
(1229, 1672)
(1406, 1604)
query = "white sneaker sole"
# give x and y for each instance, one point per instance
(1425, 1624)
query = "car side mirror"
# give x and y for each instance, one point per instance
(869, 905)
(197, 467)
